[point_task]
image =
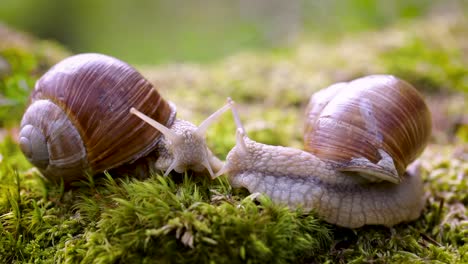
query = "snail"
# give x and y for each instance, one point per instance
(79, 123)
(360, 137)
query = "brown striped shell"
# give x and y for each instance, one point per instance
(348, 123)
(78, 120)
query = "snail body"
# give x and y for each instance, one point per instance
(348, 185)
(78, 122)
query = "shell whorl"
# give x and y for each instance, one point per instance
(355, 119)
(51, 142)
(94, 93)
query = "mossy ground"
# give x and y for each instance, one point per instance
(185, 218)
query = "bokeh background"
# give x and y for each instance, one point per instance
(163, 31)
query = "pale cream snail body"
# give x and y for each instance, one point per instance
(79, 122)
(359, 139)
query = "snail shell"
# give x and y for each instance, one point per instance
(78, 121)
(349, 122)
(363, 134)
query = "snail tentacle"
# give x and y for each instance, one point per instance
(169, 134)
(201, 130)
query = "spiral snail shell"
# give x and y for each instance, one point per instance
(78, 122)
(356, 123)
(359, 139)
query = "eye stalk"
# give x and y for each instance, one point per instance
(169, 134)
(240, 136)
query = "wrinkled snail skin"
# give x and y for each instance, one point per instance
(79, 123)
(301, 180)
(341, 183)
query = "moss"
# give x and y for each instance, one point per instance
(184, 220)
(15, 84)
(188, 222)
(434, 61)
(431, 68)
(191, 219)
(187, 218)
(22, 60)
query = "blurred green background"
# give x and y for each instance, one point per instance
(162, 31)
